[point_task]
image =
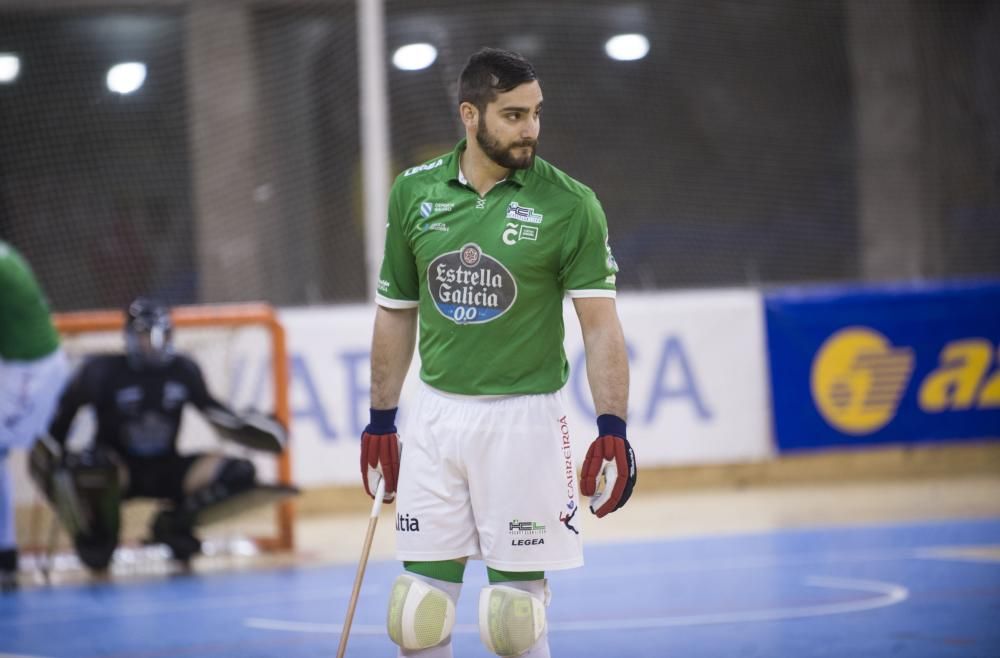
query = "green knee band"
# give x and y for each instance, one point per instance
(497, 576)
(449, 571)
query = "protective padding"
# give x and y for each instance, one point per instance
(83, 487)
(231, 491)
(252, 430)
(510, 620)
(420, 615)
(85, 493)
(240, 502)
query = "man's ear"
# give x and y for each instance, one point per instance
(469, 114)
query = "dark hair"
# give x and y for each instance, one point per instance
(490, 72)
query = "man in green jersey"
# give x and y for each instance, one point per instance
(481, 247)
(32, 373)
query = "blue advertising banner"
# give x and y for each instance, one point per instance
(884, 364)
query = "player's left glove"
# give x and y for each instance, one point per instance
(380, 453)
(611, 459)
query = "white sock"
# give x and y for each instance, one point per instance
(440, 650)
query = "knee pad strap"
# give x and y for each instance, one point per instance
(420, 615)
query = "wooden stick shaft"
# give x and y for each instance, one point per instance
(369, 536)
(50, 548)
(357, 588)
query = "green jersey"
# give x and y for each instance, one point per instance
(488, 274)
(26, 330)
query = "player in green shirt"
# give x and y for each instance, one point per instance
(32, 373)
(481, 247)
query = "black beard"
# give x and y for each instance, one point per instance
(503, 156)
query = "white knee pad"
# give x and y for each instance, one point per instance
(420, 615)
(511, 620)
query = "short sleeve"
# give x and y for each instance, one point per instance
(587, 268)
(398, 282)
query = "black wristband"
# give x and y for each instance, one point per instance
(382, 421)
(610, 424)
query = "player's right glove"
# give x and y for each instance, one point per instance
(380, 453)
(611, 459)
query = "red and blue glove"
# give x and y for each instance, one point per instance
(380, 453)
(608, 475)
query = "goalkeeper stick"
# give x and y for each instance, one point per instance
(373, 519)
(44, 553)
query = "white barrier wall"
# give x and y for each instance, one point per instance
(698, 390)
(698, 395)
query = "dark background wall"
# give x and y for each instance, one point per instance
(757, 144)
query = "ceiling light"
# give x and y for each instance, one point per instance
(126, 77)
(10, 67)
(627, 47)
(414, 56)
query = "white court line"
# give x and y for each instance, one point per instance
(143, 609)
(988, 554)
(69, 611)
(887, 594)
(17, 655)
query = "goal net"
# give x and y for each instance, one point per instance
(241, 351)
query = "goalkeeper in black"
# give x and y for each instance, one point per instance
(138, 398)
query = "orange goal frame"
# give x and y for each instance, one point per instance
(221, 315)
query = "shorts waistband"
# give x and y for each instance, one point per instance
(466, 398)
(481, 398)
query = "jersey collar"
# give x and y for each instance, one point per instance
(454, 170)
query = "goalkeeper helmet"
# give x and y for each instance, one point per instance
(148, 333)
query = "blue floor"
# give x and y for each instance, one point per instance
(904, 590)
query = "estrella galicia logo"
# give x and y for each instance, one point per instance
(426, 208)
(469, 286)
(565, 517)
(858, 378)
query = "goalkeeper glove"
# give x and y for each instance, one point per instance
(611, 459)
(380, 453)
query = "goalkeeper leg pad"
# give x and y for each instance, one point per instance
(243, 501)
(511, 620)
(212, 485)
(223, 487)
(85, 492)
(420, 614)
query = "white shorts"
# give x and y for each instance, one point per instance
(29, 391)
(489, 478)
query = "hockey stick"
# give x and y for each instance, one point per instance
(372, 520)
(35, 523)
(61, 481)
(46, 565)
